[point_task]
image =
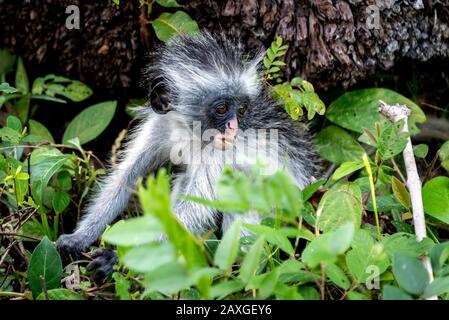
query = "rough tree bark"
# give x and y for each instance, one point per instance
(331, 42)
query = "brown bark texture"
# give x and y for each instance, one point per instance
(331, 42)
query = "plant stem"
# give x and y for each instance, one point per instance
(396, 113)
(373, 192)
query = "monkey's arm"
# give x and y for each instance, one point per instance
(144, 153)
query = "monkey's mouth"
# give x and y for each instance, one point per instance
(224, 141)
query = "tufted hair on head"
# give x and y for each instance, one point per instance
(190, 67)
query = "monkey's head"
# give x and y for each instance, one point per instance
(207, 80)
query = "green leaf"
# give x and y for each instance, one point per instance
(14, 123)
(60, 294)
(91, 122)
(438, 287)
(443, 153)
(225, 288)
(340, 205)
(309, 191)
(365, 253)
(22, 83)
(354, 295)
(60, 201)
(51, 85)
(268, 283)
(134, 232)
(406, 243)
(64, 181)
(155, 201)
(337, 276)
(7, 60)
(421, 150)
(168, 3)
(40, 130)
(439, 256)
(357, 110)
(251, 260)
(22, 107)
(410, 273)
(347, 168)
(272, 236)
(336, 145)
(400, 192)
(228, 248)
(6, 88)
(391, 140)
(395, 293)
(169, 279)
(149, 257)
(328, 246)
(168, 25)
(45, 264)
(435, 195)
(45, 162)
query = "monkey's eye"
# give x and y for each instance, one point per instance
(222, 109)
(242, 110)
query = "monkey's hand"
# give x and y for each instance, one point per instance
(102, 264)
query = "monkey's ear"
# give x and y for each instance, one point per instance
(160, 99)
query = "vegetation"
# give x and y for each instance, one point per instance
(348, 235)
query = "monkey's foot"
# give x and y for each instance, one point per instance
(102, 265)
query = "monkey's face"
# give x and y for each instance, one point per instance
(223, 120)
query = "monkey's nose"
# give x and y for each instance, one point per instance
(233, 124)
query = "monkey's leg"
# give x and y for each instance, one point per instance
(144, 153)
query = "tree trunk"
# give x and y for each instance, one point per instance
(331, 42)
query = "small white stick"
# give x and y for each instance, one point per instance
(396, 113)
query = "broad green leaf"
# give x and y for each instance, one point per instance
(365, 253)
(395, 293)
(60, 294)
(337, 276)
(122, 286)
(45, 266)
(357, 110)
(347, 168)
(400, 192)
(40, 130)
(410, 273)
(168, 25)
(336, 145)
(168, 279)
(435, 196)
(45, 162)
(149, 257)
(354, 295)
(60, 201)
(312, 188)
(228, 248)
(91, 122)
(340, 205)
(406, 243)
(134, 232)
(22, 83)
(438, 287)
(251, 260)
(328, 246)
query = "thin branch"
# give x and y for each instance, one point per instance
(396, 113)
